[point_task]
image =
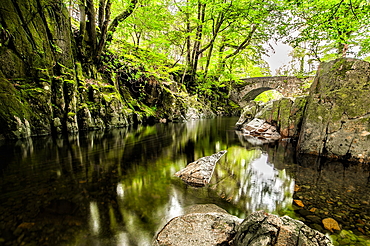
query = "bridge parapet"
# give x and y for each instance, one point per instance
(250, 88)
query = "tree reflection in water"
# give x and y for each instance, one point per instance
(118, 187)
(243, 181)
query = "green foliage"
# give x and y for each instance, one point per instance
(347, 237)
(71, 114)
(226, 40)
(327, 25)
(268, 96)
(210, 45)
(146, 62)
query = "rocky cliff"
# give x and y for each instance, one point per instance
(37, 78)
(336, 121)
(43, 88)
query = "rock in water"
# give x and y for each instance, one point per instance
(260, 128)
(199, 172)
(261, 228)
(203, 228)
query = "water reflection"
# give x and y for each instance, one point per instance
(94, 218)
(249, 181)
(118, 187)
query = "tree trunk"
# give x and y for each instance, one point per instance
(91, 26)
(209, 55)
(103, 31)
(121, 17)
(198, 38)
(81, 36)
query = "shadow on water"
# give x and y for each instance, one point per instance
(117, 187)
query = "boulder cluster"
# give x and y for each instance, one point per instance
(209, 225)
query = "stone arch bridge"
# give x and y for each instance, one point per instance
(250, 88)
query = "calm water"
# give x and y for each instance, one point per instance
(117, 187)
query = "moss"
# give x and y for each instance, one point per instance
(108, 97)
(232, 104)
(11, 106)
(78, 69)
(284, 112)
(69, 81)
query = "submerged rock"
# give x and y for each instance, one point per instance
(206, 225)
(261, 228)
(331, 224)
(199, 172)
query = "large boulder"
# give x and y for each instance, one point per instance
(337, 117)
(261, 228)
(205, 225)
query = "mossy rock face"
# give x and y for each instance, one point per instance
(36, 62)
(179, 106)
(22, 113)
(13, 114)
(337, 119)
(286, 114)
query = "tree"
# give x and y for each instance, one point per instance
(220, 30)
(96, 27)
(340, 24)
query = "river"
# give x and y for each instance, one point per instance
(117, 187)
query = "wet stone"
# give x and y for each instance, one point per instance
(260, 128)
(198, 228)
(261, 228)
(199, 172)
(331, 224)
(314, 219)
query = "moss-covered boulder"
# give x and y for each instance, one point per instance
(337, 119)
(175, 104)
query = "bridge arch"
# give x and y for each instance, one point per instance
(250, 88)
(251, 95)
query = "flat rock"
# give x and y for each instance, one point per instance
(199, 172)
(199, 229)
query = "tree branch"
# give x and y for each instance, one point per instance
(121, 17)
(245, 43)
